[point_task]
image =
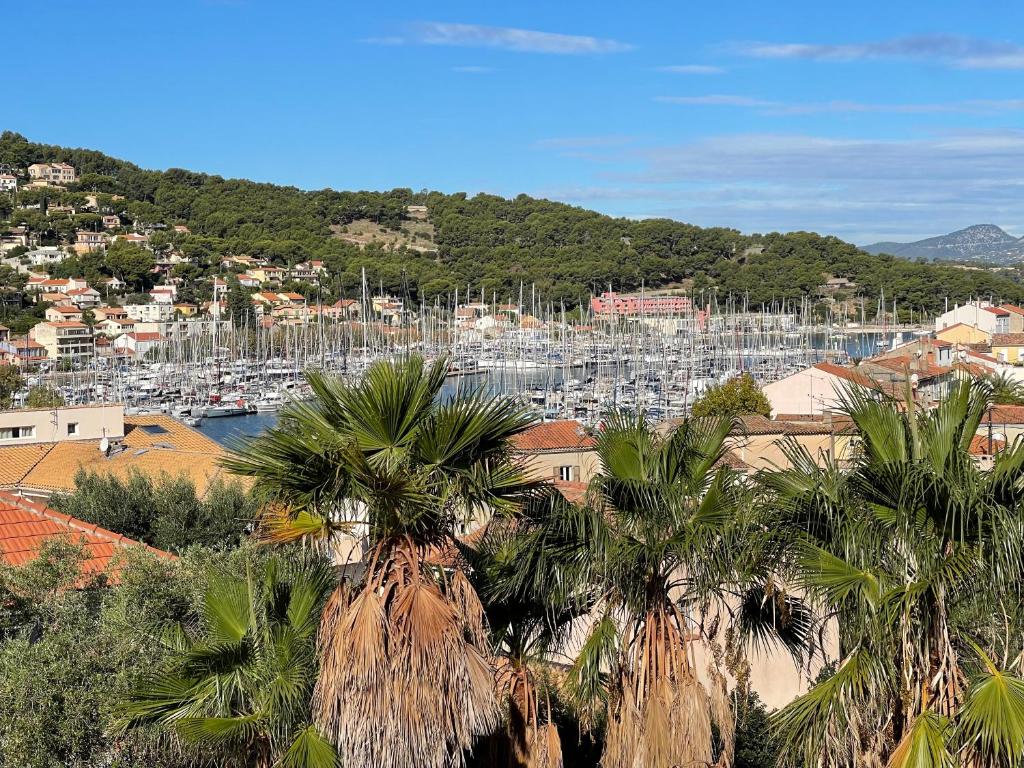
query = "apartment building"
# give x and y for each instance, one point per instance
(64, 340)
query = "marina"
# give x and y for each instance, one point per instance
(209, 371)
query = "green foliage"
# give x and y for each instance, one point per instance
(737, 396)
(1005, 389)
(239, 304)
(917, 554)
(74, 646)
(240, 680)
(10, 383)
(130, 263)
(490, 243)
(42, 396)
(757, 743)
(165, 513)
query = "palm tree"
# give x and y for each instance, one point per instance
(518, 568)
(914, 558)
(406, 676)
(656, 548)
(1005, 389)
(240, 682)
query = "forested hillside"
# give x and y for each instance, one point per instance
(484, 242)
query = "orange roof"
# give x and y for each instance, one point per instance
(554, 436)
(573, 491)
(1014, 308)
(996, 310)
(1005, 414)
(1007, 339)
(25, 526)
(845, 373)
(982, 445)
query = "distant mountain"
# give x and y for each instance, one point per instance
(982, 243)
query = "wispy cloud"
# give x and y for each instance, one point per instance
(967, 106)
(691, 69)
(473, 69)
(503, 38)
(963, 52)
(864, 190)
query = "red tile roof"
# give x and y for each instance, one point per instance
(845, 373)
(1004, 414)
(573, 491)
(25, 526)
(996, 310)
(554, 436)
(1008, 339)
(1014, 308)
(981, 445)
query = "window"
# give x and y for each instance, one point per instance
(565, 473)
(153, 429)
(14, 433)
(73, 428)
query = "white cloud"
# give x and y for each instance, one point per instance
(969, 106)
(957, 51)
(473, 69)
(691, 69)
(863, 190)
(503, 38)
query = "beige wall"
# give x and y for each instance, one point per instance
(48, 425)
(765, 451)
(544, 464)
(963, 334)
(809, 392)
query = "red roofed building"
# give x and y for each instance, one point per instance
(558, 450)
(26, 526)
(984, 448)
(139, 343)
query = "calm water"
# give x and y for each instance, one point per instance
(225, 429)
(232, 427)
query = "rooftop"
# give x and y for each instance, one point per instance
(26, 526)
(152, 445)
(554, 436)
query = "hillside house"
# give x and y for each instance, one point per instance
(53, 173)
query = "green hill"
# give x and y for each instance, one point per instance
(483, 242)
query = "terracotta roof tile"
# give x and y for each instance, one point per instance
(25, 526)
(554, 436)
(573, 491)
(845, 373)
(1005, 414)
(1007, 339)
(982, 446)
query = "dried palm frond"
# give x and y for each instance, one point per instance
(661, 716)
(403, 681)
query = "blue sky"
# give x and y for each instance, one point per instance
(870, 120)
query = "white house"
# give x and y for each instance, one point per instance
(150, 313)
(981, 315)
(813, 391)
(138, 343)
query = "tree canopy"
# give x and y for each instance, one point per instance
(483, 244)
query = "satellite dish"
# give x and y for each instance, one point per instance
(104, 445)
